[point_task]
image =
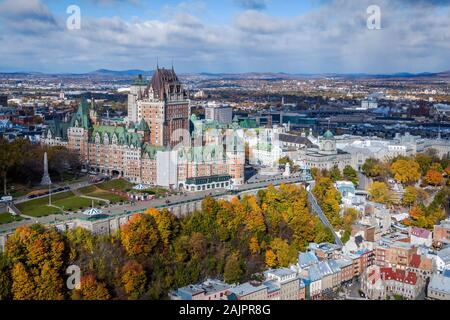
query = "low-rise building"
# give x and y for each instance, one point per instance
(396, 255)
(443, 259)
(439, 287)
(287, 280)
(401, 282)
(248, 291)
(441, 233)
(420, 237)
(422, 265)
(208, 290)
(346, 266)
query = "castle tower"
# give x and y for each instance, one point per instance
(165, 108)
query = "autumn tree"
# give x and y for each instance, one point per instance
(37, 256)
(79, 239)
(284, 253)
(434, 178)
(140, 235)
(271, 259)
(167, 224)
(424, 161)
(380, 192)
(49, 284)
(413, 196)
(374, 168)
(329, 199)
(133, 279)
(91, 289)
(23, 286)
(254, 246)
(284, 160)
(406, 171)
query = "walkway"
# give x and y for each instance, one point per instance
(79, 194)
(318, 210)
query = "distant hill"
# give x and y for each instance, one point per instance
(240, 76)
(123, 73)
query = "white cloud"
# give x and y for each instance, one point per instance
(331, 38)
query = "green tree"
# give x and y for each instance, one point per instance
(233, 271)
(11, 155)
(335, 174)
(5, 278)
(350, 174)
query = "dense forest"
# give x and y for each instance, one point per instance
(156, 251)
(23, 162)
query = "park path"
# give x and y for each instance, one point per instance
(79, 194)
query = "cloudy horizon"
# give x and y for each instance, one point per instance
(227, 36)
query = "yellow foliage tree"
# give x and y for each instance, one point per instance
(406, 171)
(271, 259)
(380, 192)
(254, 246)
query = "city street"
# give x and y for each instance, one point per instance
(156, 203)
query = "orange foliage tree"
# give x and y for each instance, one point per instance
(140, 235)
(434, 178)
(91, 289)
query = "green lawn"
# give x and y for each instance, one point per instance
(94, 191)
(76, 203)
(7, 218)
(66, 200)
(117, 184)
(157, 191)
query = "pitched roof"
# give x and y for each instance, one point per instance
(399, 275)
(440, 283)
(160, 80)
(291, 138)
(306, 259)
(81, 116)
(421, 233)
(444, 254)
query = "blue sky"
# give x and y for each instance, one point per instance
(295, 36)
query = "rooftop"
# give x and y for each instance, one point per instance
(247, 288)
(444, 254)
(440, 283)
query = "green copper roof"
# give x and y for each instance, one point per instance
(58, 128)
(152, 150)
(328, 135)
(120, 132)
(81, 117)
(143, 126)
(248, 123)
(140, 81)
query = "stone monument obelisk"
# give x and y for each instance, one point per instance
(46, 177)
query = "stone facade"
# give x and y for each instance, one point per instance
(158, 121)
